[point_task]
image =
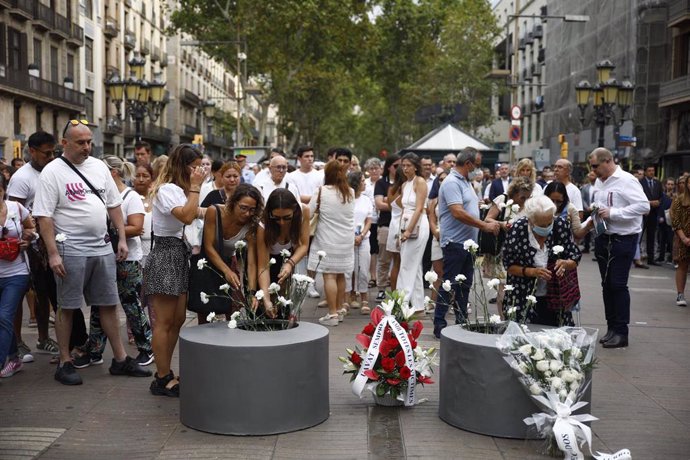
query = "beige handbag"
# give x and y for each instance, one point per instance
(314, 220)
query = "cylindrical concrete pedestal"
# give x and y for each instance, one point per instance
(253, 383)
(479, 392)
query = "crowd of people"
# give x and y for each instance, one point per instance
(81, 231)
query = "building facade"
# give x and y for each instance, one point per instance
(40, 69)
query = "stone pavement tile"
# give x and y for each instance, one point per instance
(186, 443)
(342, 436)
(26, 442)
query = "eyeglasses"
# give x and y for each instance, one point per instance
(48, 153)
(283, 218)
(280, 168)
(246, 209)
(74, 123)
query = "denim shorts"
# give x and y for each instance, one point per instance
(90, 279)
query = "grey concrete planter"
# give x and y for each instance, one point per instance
(253, 383)
(478, 390)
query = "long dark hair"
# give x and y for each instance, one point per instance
(281, 198)
(252, 192)
(354, 178)
(558, 187)
(400, 179)
(335, 176)
(416, 162)
(390, 159)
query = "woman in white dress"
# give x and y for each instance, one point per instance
(335, 202)
(414, 230)
(393, 241)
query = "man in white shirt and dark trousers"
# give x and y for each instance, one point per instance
(653, 190)
(618, 199)
(82, 261)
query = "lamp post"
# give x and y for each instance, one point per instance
(142, 98)
(607, 95)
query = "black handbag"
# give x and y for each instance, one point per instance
(112, 235)
(208, 279)
(489, 243)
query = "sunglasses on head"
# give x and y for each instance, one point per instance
(74, 123)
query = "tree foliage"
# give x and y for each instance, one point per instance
(352, 72)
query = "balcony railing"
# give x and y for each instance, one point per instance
(44, 17)
(164, 60)
(63, 27)
(111, 27)
(189, 130)
(130, 40)
(23, 9)
(190, 98)
(149, 131)
(42, 89)
(678, 12)
(674, 91)
(145, 47)
(76, 35)
(113, 125)
(155, 54)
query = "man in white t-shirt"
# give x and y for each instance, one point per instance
(306, 178)
(22, 188)
(276, 179)
(562, 171)
(73, 226)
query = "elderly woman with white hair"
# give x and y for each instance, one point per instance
(538, 247)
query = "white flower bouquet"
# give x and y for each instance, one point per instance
(555, 368)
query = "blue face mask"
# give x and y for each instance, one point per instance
(542, 231)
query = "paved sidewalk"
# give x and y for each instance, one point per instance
(640, 395)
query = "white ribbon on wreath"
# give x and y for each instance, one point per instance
(369, 360)
(569, 429)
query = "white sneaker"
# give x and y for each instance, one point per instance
(27, 357)
(329, 320)
(313, 293)
(680, 301)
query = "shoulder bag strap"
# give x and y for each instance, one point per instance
(93, 189)
(126, 193)
(219, 231)
(318, 202)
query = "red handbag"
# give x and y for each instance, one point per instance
(9, 248)
(562, 293)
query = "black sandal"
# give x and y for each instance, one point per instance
(159, 386)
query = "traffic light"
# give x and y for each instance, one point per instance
(564, 146)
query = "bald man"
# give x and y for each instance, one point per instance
(276, 178)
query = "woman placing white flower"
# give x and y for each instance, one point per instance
(284, 238)
(531, 243)
(505, 209)
(239, 219)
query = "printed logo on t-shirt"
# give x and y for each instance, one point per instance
(76, 191)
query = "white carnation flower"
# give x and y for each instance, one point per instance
(523, 368)
(204, 297)
(563, 394)
(515, 208)
(321, 254)
(272, 261)
(259, 294)
(201, 263)
(283, 301)
(555, 365)
(235, 315)
(525, 349)
(459, 278)
(427, 300)
(224, 287)
(430, 277)
(285, 253)
(470, 246)
(531, 299)
(493, 283)
(538, 354)
(542, 366)
(556, 383)
(509, 202)
(494, 319)
(557, 249)
(232, 324)
(512, 310)
(211, 316)
(446, 286)
(273, 288)
(60, 237)
(241, 244)
(508, 287)
(535, 389)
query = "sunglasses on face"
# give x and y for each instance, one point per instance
(74, 123)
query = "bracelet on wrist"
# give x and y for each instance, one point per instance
(194, 191)
(291, 262)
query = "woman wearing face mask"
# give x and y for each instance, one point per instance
(526, 253)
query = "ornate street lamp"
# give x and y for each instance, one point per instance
(608, 96)
(142, 98)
